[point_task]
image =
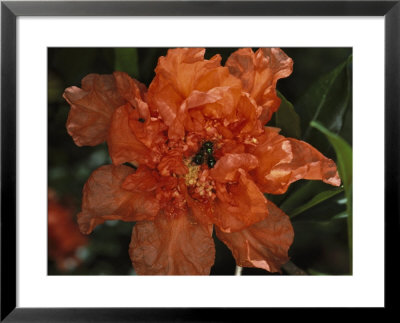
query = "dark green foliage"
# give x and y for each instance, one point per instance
(287, 119)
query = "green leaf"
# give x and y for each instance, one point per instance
(319, 198)
(287, 119)
(341, 215)
(126, 60)
(347, 130)
(316, 219)
(344, 155)
(326, 102)
(305, 191)
(345, 166)
(316, 272)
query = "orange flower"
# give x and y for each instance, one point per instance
(64, 235)
(203, 159)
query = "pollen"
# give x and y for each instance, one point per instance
(205, 187)
(250, 141)
(201, 186)
(193, 173)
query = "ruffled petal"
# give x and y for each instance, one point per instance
(130, 89)
(147, 129)
(239, 205)
(172, 163)
(123, 145)
(264, 244)
(91, 109)
(199, 211)
(182, 120)
(172, 247)
(143, 180)
(226, 169)
(184, 81)
(259, 73)
(184, 68)
(164, 100)
(286, 160)
(219, 80)
(247, 122)
(176, 76)
(104, 199)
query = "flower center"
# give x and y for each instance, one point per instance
(200, 185)
(193, 173)
(204, 190)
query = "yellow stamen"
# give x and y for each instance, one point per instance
(193, 173)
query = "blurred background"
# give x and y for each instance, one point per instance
(319, 89)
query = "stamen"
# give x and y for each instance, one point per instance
(193, 173)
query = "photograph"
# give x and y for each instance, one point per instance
(200, 161)
(168, 161)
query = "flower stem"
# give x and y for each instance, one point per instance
(292, 269)
(238, 271)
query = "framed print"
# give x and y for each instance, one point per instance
(247, 147)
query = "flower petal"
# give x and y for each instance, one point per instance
(286, 160)
(226, 169)
(185, 67)
(122, 142)
(143, 180)
(172, 247)
(259, 73)
(185, 74)
(239, 205)
(172, 162)
(183, 120)
(105, 199)
(176, 77)
(92, 108)
(247, 114)
(264, 244)
(130, 89)
(198, 211)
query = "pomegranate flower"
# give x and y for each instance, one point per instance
(203, 159)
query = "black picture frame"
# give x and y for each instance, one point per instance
(10, 10)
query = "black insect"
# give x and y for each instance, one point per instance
(210, 161)
(205, 152)
(198, 159)
(208, 144)
(141, 120)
